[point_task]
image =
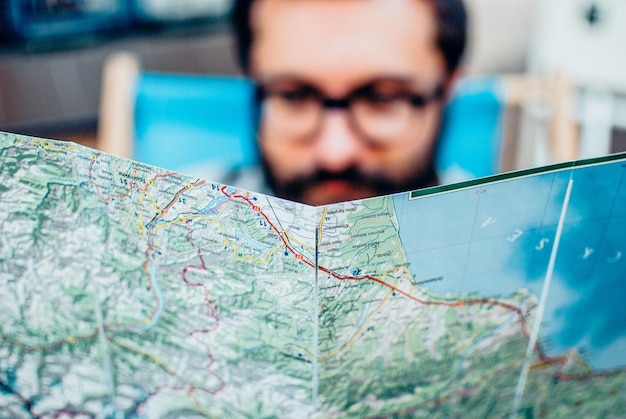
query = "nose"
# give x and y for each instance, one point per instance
(337, 145)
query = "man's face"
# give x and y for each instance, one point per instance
(379, 54)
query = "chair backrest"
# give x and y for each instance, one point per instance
(185, 122)
(182, 121)
(177, 121)
(470, 142)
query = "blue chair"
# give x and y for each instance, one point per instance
(470, 143)
(183, 122)
(176, 121)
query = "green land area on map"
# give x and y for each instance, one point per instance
(130, 291)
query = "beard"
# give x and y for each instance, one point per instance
(308, 188)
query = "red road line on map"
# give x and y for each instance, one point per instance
(212, 312)
(299, 256)
(256, 208)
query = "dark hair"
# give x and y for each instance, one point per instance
(451, 30)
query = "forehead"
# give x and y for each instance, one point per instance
(338, 44)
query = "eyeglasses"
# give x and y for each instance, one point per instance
(380, 116)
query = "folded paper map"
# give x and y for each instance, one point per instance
(127, 290)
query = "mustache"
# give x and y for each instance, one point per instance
(378, 183)
(297, 186)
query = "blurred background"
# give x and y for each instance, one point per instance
(52, 55)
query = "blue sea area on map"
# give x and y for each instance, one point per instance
(493, 239)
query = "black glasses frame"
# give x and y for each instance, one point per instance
(416, 100)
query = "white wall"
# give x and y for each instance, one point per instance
(499, 35)
(590, 55)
